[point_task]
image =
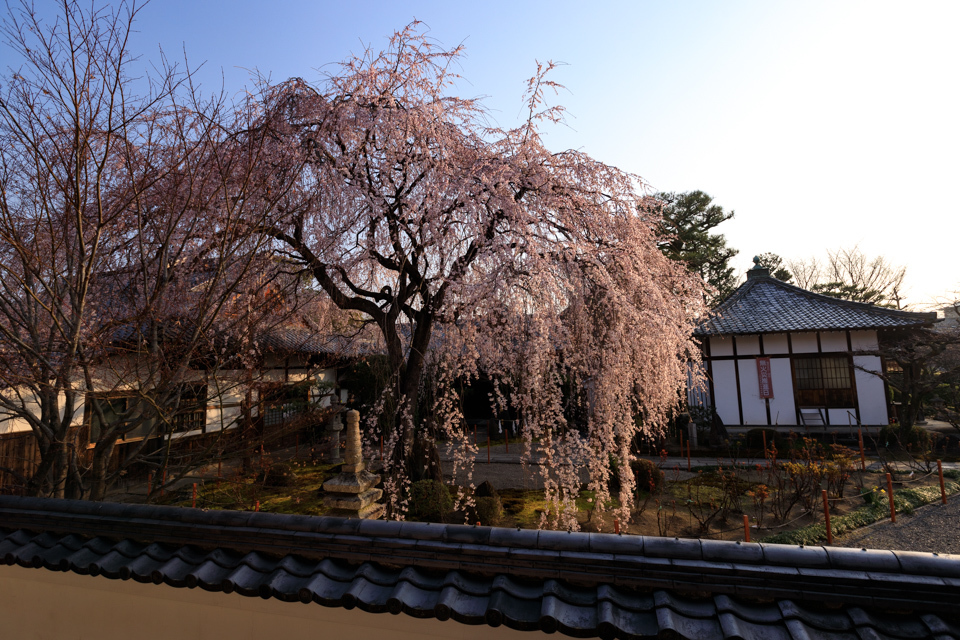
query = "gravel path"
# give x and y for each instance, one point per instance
(934, 528)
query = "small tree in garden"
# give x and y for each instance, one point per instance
(474, 248)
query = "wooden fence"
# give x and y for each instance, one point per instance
(19, 457)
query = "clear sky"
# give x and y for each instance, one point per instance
(822, 124)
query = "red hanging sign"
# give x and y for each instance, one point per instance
(764, 377)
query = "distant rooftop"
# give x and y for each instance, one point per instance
(764, 304)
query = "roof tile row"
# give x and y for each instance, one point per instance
(691, 588)
(767, 305)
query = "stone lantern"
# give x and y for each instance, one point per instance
(332, 432)
(353, 493)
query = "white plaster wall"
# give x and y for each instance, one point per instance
(326, 377)
(805, 342)
(221, 417)
(748, 345)
(782, 408)
(225, 394)
(843, 417)
(721, 346)
(833, 341)
(863, 340)
(870, 392)
(297, 375)
(41, 604)
(754, 408)
(273, 375)
(775, 343)
(725, 391)
(11, 423)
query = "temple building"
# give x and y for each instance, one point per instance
(776, 355)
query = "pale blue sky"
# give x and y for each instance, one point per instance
(822, 124)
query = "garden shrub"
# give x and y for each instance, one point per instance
(486, 490)
(513, 504)
(644, 472)
(489, 510)
(904, 500)
(916, 440)
(754, 440)
(649, 477)
(430, 501)
(279, 475)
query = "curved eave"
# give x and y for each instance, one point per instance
(764, 305)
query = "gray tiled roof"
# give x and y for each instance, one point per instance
(581, 584)
(764, 304)
(300, 340)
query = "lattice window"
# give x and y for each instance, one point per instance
(824, 381)
(283, 402)
(192, 415)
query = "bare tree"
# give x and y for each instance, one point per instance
(125, 270)
(806, 273)
(851, 275)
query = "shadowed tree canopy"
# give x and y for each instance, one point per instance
(687, 234)
(923, 368)
(476, 249)
(125, 251)
(774, 263)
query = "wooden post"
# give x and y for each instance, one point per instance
(194, 495)
(746, 528)
(863, 457)
(616, 526)
(764, 434)
(257, 506)
(826, 516)
(893, 511)
(689, 468)
(943, 490)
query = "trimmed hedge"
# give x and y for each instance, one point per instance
(430, 501)
(489, 510)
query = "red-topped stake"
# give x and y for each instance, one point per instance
(943, 489)
(826, 516)
(893, 511)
